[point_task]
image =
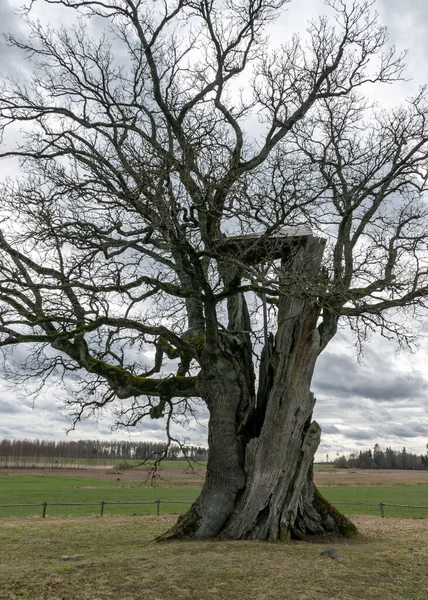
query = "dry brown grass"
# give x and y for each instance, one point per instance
(185, 476)
(179, 476)
(370, 477)
(387, 562)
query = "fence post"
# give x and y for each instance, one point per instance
(382, 512)
(102, 508)
(158, 507)
(44, 505)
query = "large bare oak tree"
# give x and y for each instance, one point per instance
(171, 171)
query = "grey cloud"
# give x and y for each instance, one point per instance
(370, 410)
(404, 17)
(8, 18)
(104, 431)
(8, 408)
(411, 429)
(402, 431)
(360, 434)
(11, 60)
(380, 400)
(361, 445)
(339, 374)
(330, 429)
(406, 22)
(154, 426)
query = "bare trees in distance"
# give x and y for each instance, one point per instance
(54, 454)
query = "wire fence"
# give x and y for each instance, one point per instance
(101, 505)
(381, 506)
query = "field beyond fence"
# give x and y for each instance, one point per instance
(146, 507)
(70, 493)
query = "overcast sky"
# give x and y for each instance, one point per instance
(381, 399)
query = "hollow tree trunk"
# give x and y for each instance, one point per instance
(259, 481)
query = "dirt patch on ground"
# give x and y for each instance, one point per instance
(370, 477)
(180, 475)
(186, 476)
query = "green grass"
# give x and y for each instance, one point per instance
(36, 489)
(416, 495)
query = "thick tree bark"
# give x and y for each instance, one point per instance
(225, 476)
(259, 480)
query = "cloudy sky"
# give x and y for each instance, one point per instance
(382, 398)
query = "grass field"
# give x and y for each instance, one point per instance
(119, 562)
(416, 495)
(36, 489)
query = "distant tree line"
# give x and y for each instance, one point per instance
(382, 459)
(54, 454)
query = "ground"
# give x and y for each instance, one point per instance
(365, 477)
(180, 474)
(121, 562)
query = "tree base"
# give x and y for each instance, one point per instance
(316, 517)
(320, 517)
(185, 528)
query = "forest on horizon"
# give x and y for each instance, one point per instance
(49, 453)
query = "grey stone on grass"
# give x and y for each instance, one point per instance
(331, 553)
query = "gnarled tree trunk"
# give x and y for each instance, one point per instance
(259, 481)
(225, 477)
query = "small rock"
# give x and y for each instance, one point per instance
(72, 557)
(331, 553)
